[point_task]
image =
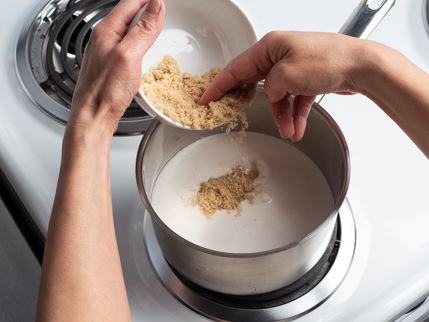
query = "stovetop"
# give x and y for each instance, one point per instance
(387, 194)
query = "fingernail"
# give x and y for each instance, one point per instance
(153, 7)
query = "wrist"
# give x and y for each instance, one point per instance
(103, 111)
(371, 61)
(84, 132)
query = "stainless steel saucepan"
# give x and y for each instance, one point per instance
(262, 272)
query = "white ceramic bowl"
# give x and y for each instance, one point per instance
(200, 35)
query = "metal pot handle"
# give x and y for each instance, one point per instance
(362, 22)
(364, 19)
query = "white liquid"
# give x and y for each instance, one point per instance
(296, 197)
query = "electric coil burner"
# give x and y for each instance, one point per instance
(49, 57)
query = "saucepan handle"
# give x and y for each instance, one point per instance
(363, 21)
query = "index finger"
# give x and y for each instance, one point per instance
(222, 83)
(249, 67)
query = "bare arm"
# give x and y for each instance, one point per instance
(81, 275)
(401, 90)
(309, 64)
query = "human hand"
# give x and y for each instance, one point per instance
(110, 75)
(304, 64)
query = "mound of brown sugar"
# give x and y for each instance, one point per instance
(178, 95)
(228, 191)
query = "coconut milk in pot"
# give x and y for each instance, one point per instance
(292, 195)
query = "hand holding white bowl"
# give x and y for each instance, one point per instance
(200, 35)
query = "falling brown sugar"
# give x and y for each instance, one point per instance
(178, 95)
(226, 192)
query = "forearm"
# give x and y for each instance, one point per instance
(81, 269)
(401, 89)
(82, 278)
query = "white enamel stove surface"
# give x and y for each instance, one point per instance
(388, 191)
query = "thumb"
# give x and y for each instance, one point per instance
(147, 28)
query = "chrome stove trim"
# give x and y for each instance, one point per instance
(286, 312)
